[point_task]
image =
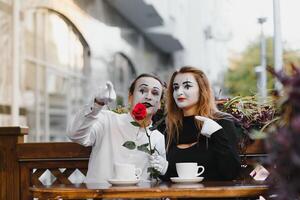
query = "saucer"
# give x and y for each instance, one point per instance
(123, 182)
(187, 180)
(187, 185)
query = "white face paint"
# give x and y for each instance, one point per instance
(186, 90)
(147, 91)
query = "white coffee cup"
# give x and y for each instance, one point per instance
(188, 170)
(126, 171)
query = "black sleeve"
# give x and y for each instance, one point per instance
(227, 157)
(231, 132)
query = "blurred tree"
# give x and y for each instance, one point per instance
(240, 79)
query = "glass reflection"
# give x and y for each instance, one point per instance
(53, 73)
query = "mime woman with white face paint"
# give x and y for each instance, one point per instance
(107, 131)
(196, 130)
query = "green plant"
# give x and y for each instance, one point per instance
(251, 117)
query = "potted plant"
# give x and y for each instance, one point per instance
(250, 115)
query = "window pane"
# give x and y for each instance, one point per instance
(121, 75)
(5, 57)
(29, 23)
(52, 75)
(6, 63)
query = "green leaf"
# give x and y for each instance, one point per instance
(134, 123)
(144, 145)
(129, 145)
(144, 148)
(155, 150)
(154, 173)
(152, 128)
(257, 135)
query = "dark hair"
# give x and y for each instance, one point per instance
(132, 86)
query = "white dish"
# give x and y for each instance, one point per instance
(187, 185)
(123, 182)
(187, 180)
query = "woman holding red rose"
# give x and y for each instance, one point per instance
(106, 131)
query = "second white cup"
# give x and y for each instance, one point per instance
(126, 171)
(189, 170)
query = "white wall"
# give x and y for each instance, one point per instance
(192, 18)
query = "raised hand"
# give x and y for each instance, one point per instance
(209, 126)
(105, 94)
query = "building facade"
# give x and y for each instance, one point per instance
(57, 53)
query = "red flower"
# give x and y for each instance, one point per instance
(139, 112)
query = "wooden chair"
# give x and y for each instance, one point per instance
(22, 164)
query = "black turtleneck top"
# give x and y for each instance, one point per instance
(218, 154)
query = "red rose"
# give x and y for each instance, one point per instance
(139, 112)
